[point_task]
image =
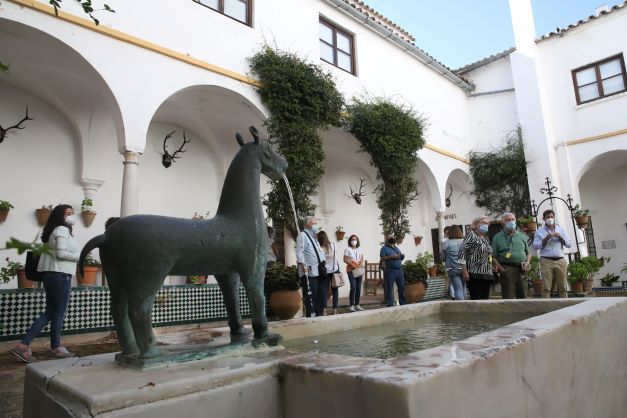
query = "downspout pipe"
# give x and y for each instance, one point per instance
(403, 44)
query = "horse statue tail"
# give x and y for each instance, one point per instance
(95, 242)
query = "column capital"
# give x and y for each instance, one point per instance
(91, 186)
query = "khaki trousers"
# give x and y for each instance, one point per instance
(553, 271)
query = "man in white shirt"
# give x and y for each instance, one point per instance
(550, 241)
(308, 254)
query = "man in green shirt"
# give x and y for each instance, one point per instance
(512, 255)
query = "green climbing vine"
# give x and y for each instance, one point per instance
(302, 99)
(392, 134)
(500, 176)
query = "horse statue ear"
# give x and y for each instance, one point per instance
(239, 138)
(254, 133)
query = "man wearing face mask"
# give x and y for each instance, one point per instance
(308, 257)
(392, 258)
(512, 258)
(550, 241)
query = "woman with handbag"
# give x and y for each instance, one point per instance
(354, 259)
(57, 266)
(333, 267)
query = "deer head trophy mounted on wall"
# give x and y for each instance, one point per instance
(358, 195)
(3, 131)
(448, 198)
(168, 159)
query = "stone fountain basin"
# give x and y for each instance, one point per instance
(566, 360)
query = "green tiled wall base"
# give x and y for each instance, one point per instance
(89, 308)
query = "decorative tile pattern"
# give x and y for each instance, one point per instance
(437, 289)
(89, 308)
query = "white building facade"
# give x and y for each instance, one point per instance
(103, 98)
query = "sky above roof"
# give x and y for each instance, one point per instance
(459, 32)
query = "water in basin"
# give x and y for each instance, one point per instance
(395, 339)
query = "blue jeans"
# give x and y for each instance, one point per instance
(458, 283)
(394, 276)
(57, 287)
(309, 284)
(355, 292)
(322, 294)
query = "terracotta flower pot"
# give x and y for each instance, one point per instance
(414, 292)
(582, 221)
(587, 285)
(89, 277)
(399, 241)
(577, 287)
(285, 303)
(433, 271)
(340, 235)
(88, 217)
(3, 214)
(417, 239)
(23, 282)
(532, 227)
(537, 287)
(42, 215)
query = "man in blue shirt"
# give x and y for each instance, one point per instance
(308, 256)
(392, 258)
(550, 241)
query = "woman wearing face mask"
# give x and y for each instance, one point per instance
(354, 259)
(57, 267)
(475, 258)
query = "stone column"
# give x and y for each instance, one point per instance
(130, 184)
(439, 216)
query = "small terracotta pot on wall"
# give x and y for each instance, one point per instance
(285, 303)
(340, 235)
(417, 239)
(582, 221)
(89, 277)
(433, 271)
(414, 292)
(88, 217)
(42, 215)
(23, 282)
(3, 214)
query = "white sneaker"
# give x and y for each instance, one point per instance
(335, 312)
(352, 308)
(359, 308)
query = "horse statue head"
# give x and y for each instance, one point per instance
(273, 164)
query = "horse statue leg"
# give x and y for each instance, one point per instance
(229, 287)
(253, 283)
(119, 312)
(140, 313)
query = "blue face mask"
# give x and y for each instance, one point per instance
(483, 228)
(511, 225)
(315, 228)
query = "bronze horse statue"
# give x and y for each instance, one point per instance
(139, 251)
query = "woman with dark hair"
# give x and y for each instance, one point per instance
(57, 266)
(329, 250)
(450, 254)
(354, 259)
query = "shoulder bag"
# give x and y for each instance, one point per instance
(32, 260)
(336, 280)
(322, 266)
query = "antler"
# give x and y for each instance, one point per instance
(3, 131)
(168, 159)
(180, 150)
(447, 201)
(360, 194)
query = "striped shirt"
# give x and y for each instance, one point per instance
(476, 253)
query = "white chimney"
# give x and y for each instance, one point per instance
(603, 8)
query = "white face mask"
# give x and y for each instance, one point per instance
(354, 243)
(70, 220)
(550, 221)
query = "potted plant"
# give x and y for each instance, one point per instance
(417, 239)
(609, 279)
(425, 260)
(198, 217)
(415, 281)
(593, 265)
(582, 217)
(339, 233)
(90, 271)
(5, 207)
(533, 274)
(577, 274)
(43, 214)
(87, 212)
(15, 269)
(624, 271)
(283, 283)
(201, 279)
(528, 224)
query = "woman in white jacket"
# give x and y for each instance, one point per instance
(57, 267)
